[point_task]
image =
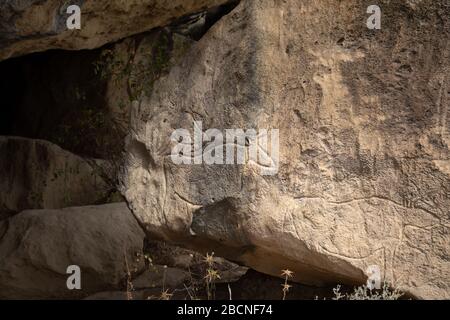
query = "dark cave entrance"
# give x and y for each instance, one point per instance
(44, 95)
(59, 96)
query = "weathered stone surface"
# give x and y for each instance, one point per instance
(37, 174)
(364, 143)
(131, 67)
(177, 258)
(36, 25)
(80, 100)
(37, 246)
(161, 276)
(174, 269)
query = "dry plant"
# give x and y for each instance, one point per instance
(287, 274)
(192, 289)
(165, 294)
(130, 287)
(365, 293)
(212, 275)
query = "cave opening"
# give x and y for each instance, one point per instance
(44, 94)
(63, 97)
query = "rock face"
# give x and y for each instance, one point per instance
(174, 269)
(81, 100)
(37, 174)
(363, 176)
(37, 246)
(36, 25)
(187, 261)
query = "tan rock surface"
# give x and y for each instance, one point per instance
(37, 174)
(37, 246)
(364, 143)
(34, 25)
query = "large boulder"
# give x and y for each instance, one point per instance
(363, 176)
(37, 247)
(36, 25)
(37, 174)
